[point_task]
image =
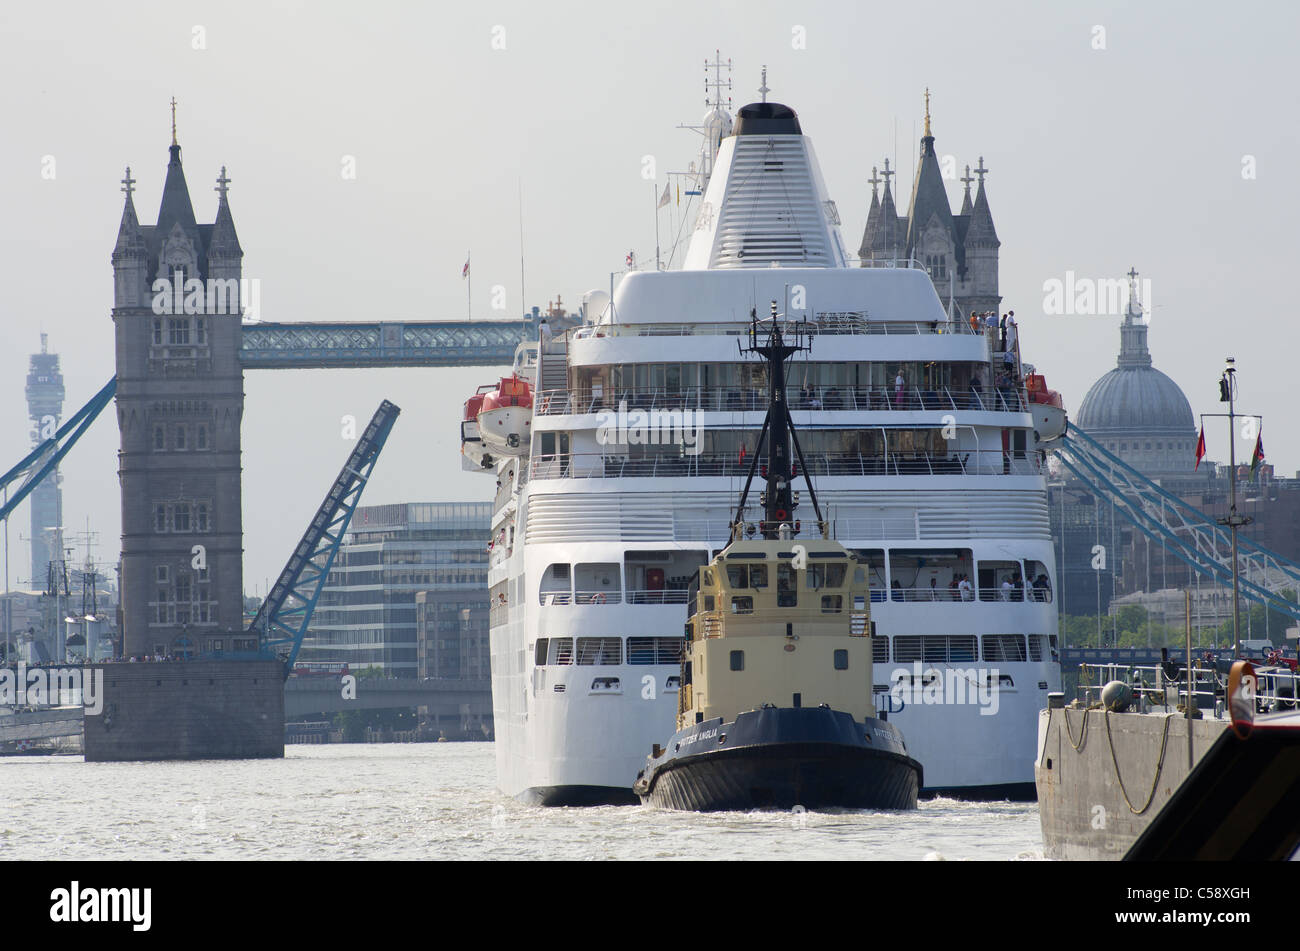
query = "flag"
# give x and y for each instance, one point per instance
(1257, 459)
(679, 194)
(1200, 449)
(464, 272)
(664, 198)
(631, 256)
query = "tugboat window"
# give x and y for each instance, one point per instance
(708, 602)
(758, 576)
(785, 586)
(832, 604)
(737, 660)
(742, 605)
(738, 576)
(841, 660)
(826, 576)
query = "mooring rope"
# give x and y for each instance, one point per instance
(1160, 765)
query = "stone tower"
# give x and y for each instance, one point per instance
(45, 407)
(959, 251)
(180, 399)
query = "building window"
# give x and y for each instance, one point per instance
(157, 332)
(178, 332)
(201, 437)
(200, 332)
(180, 518)
(159, 439)
(160, 574)
(841, 660)
(160, 518)
(200, 518)
(737, 660)
(180, 438)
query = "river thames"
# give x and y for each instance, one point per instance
(435, 801)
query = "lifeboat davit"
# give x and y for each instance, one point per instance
(1047, 408)
(474, 455)
(505, 417)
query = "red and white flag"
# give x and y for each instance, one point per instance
(464, 272)
(631, 257)
(1200, 449)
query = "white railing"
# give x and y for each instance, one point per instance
(669, 465)
(559, 402)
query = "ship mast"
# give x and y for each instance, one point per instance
(778, 434)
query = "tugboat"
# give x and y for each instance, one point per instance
(775, 704)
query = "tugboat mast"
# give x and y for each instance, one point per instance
(778, 430)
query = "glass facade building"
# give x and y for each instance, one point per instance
(367, 615)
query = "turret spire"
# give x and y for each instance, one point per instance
(927, 111)
(173, 120)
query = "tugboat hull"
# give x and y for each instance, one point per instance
(778, 759)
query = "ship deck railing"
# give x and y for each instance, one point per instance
(831, 323)
(1275, 688)
(944, 594)
(676, 464)
(560, 402)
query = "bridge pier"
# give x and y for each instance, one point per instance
(198, 709)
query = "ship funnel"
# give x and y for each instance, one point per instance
(766, 204)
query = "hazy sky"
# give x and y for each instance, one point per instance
(1100, 159)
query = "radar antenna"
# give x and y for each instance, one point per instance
(778, 434)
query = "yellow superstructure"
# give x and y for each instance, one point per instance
(783, 622)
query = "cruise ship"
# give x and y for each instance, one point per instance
(644, 420)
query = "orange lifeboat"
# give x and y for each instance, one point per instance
(474, 455)
(1047, 407)
(505, 417)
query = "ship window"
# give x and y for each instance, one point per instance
(539, 651)
(935, 649)
(786, 581)
(879, 649)
(737, 660)
(859, 576)
(738, 576)
(758, 576)
(709, 602)
(742, 605)
(841, 659)
(606, 651)
(561, 651)
(644, 651)
(708, 576)
(826, 576)
(1005, 648)
(832, 604)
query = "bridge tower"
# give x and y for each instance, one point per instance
(180, 399)
(45, 407)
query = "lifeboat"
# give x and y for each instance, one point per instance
(474, 456)
(505, 417)
(1047, 408)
